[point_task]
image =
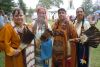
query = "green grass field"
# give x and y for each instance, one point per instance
(1, 59)
(95, 55)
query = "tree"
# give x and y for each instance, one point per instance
(48, 3)
(88, 6)
(22, 5)
(96, 6)
(57, 3)
(7, 5)
(30, 11)
(45, 3)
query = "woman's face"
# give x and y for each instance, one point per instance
(42, 14)
(18, 18)
(62, 15)
(80, 13)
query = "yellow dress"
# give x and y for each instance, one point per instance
(1, 39)
(9, 41)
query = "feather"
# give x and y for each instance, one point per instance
(93, 35)
(27, 36)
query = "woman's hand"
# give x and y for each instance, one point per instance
(16, 52)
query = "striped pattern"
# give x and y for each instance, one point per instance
(30, 56)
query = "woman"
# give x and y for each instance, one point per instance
(26, 36)
(40, 26)
(64, 52)
(81, 25)
(12, 41)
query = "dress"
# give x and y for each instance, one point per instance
(82, 49)
(64, 52)
(40, 28)
(10, 41)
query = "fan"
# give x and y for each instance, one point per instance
(93, 35)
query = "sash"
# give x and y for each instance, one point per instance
(46, 49)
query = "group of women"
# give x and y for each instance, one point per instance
(64, 50)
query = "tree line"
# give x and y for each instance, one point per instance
(8, 5)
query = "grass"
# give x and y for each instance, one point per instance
(1, 59)
(95, 57)
(95, 54)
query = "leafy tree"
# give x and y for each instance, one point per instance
(57, 3)
(45, 3)
(88, 6)
(96, 6)
(30, 11)
(7, 5)
(22, 5)
(48, 3)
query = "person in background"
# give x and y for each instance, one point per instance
(6, 20)
(72, 18)
(1, 18)
(1, 26)
(91, 19)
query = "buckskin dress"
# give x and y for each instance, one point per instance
(64, 54)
